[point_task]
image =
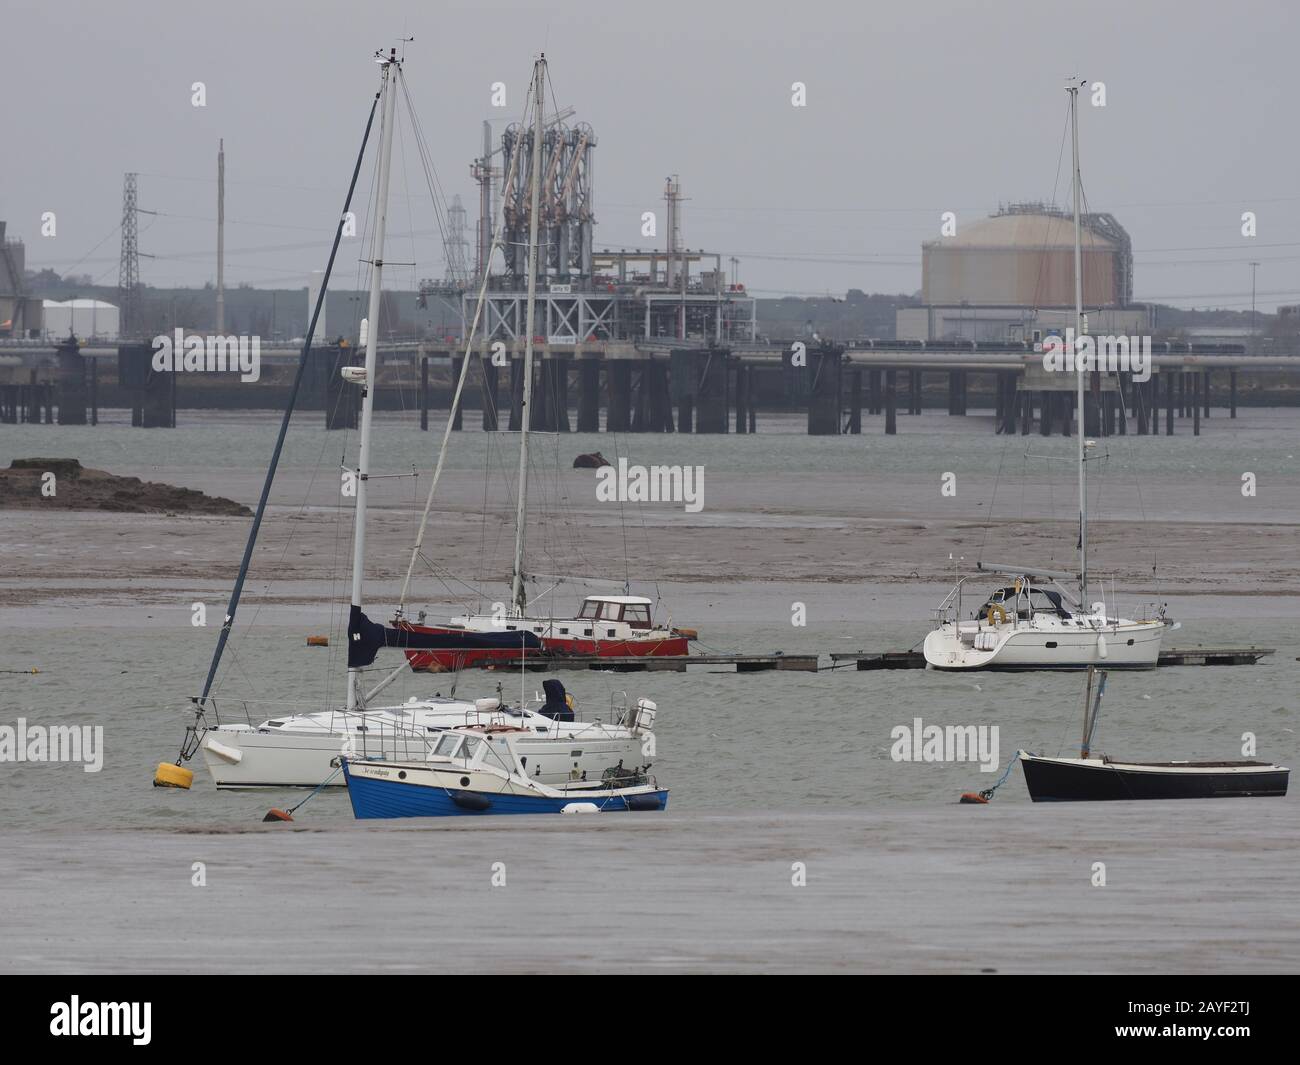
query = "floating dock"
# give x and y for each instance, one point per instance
(1173, 656)
(810, 662)
(806, 663)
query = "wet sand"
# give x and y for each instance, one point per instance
(1192, 887)
(84, 557)
(778, 506)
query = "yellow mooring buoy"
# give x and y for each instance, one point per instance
(170, 775)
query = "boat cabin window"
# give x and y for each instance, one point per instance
(637, 616)
(1049, 603)
(447, 746)
(590, 608)
(471, 747)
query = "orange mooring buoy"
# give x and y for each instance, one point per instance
(974, 797)
(277, 815)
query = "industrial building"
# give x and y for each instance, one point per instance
(84, 319)
(19, 313)
(585, 296)
(1010, 277)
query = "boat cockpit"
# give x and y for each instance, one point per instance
(1023, 602)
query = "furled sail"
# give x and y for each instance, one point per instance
(366, 638)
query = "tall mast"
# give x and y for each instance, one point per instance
(1073, 90)
(518, 592)
(389, 91)
(221, 237)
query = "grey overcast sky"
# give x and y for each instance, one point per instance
(913, 109)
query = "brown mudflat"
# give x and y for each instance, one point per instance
(64, 484)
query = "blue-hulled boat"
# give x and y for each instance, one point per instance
(450, 788)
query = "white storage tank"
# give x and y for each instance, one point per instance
(86, 319)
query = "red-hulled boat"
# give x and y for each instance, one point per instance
(607, 626)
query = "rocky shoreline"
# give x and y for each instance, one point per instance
(64, 484)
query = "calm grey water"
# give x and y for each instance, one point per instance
(726, 742)
(1266, 441)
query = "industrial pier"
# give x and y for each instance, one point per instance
(657, 386)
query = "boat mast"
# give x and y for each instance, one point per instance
(519, 595)
(486, 254)
(388, 90)
(1073, 89)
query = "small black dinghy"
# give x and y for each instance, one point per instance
(1089, 779)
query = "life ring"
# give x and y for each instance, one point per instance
(995, 608)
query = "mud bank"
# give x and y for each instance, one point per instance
(64, 484)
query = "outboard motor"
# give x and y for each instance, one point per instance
(557, 707)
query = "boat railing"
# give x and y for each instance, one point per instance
(1149, 611)
(247, 706)
(580, 716)
(950, 608)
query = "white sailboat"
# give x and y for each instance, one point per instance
(295, 749)
(1035, 621)
(303, 750)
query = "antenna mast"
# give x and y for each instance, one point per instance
(128, 271)
(221, 237)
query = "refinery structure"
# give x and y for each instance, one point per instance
(1010, 277)
(585, 296)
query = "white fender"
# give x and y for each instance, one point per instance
(233, 755)
(580, 808)
(1101, 646)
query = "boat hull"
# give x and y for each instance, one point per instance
(1095, 780)
(275, 760)
(374, 797)
(436, 661)
(1132, 646)
(253, 758)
